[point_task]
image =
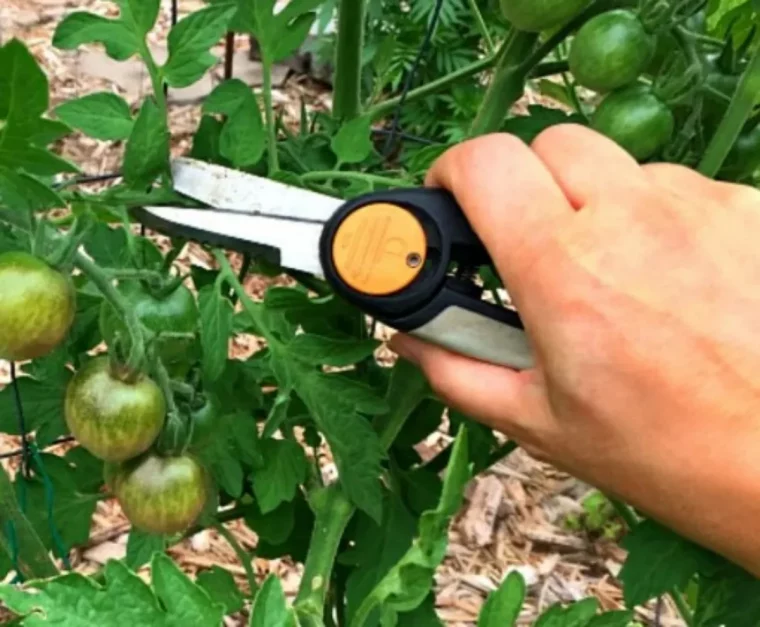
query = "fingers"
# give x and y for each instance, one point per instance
(587, 165)
(509, 196)
(500, 398)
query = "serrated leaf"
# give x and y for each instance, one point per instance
(141, 547)
(216, 328)
(206, 141)
(33, 160)
(107, 245)
(220, 585)
(291, 36)
(21, 192)
(243, 137)
(147, 153)
(186, 603)
(227, 97)
(102, 115)
(81, 28)
(658, 561)
(86, 468)
(353, 142)
(376, 548)
(408, 583)
(274, 527)
(728, 597)
(23, 91)
(189, 43)
(502, 607)
(225, 468)
(270, 609)
(140, 15)
(284, 469)
(317, 350)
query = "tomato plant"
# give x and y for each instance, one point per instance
(115, 346)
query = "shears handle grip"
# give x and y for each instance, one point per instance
(407, 257)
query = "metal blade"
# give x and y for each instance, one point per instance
(233, 190)
(291, 244)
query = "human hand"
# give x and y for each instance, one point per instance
(639, 287)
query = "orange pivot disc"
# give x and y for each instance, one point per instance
(379, 249)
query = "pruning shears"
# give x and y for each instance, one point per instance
(407, 257)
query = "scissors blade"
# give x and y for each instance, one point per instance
(289, 243)
(233, 190)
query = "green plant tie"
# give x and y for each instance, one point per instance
(10, 534)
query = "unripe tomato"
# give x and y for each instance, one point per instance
(162, 495)
(176, 312)
(534, 16)
(636, 119)
(115, 420)
(205, 420)
(37, 307)
(611, 51)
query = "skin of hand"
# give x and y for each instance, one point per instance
(639, 287)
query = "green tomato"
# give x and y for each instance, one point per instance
(611, 51)
(162, 495)
(176, 312)
(744, 159)
(37, 307)
(114, 419)
(636, 119)
(534, 16)
(205, 420)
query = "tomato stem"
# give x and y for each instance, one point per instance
(507, 84)
(274, 160)
(242, 555)
(737, 114)
(373, 179)
(482, 26)
(348, 59)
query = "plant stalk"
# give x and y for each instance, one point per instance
(737, 114)
(274, 160)
(508, 83)
(482, 26)
(333, 513)
(373, 179)
(244, 558)
(348, 59)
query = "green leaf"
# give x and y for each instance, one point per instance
(69, 513)
(147, 153)
(140, 15)
(355, 394)
(48, 132)
(407, 585)
(186, 603)
(21, 192)
(227, 97)
(728, 596)
(81, 28)
(34, 160)
(23, 91)
(43, 408)
(353, 142)
(225, 468)
(317, 350)
(206, 143)
(216, 328)
(292, 36)
(376, 548)
(87, 470)
(174, 600)
(107, 245)
(189, 43)
(502, 607)
(284, 469)
(528, 127)
(274, 527)
(574, 615)
(619, 618)
(270, 608)
(102, 115)
(221, 587)
(658, 561)
(141, 547)
(243, 137)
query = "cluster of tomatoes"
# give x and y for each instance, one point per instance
(116, 413)
(620, 53)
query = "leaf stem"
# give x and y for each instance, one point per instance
(242, 555)
(355, 176)
(156, 80)
(348, 59)
(132, 274)
(737, 114)
(482, 26)
(102, 281)
(507, 84)
(274, 160)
